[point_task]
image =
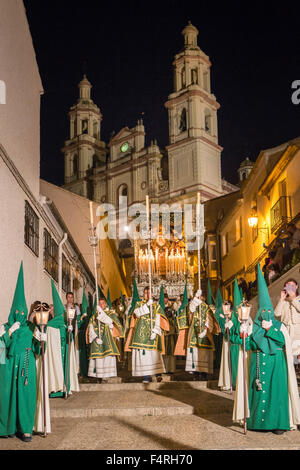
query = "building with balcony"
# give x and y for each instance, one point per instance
(255, 228)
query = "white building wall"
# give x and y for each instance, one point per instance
(20, 116)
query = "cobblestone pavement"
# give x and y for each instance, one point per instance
(180, 416)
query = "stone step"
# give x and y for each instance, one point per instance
(122, 386)
(129, 403)
(160, 401)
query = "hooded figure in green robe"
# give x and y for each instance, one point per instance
(82, 327)
(218, 339)
(273, 397)
(18, 391)
(233, 325)
(169, 336)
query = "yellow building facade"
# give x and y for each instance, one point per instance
(269, 199)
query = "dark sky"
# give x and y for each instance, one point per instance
(129, 47)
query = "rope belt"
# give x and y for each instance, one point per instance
(257, 380)
(25, 366)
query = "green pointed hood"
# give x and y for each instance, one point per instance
(58, 309)
(265, 311)
(241, 293)
(58, 306)
(122, 299)
(84, 303)
(237, 299)
(19, 310)
(219, 299)
(209, 300)
(135, 297)
(264, 301)
(161, 298)
(108, 299)
(185, 300)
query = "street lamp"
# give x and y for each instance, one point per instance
(253, 222)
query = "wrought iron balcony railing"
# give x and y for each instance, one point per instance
(280, 213)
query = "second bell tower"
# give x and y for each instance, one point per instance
(193, 150)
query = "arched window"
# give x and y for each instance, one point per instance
(183, 82)
(75, 165)
(2, 92)
(194, 76)
(208, 121)
(95, 160)
(122, 193)
(182, 123)
(84, 126)
(75, 127)
(205, 81)
(95, 130)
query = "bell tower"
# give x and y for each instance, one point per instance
(193, 150)
(84, 150)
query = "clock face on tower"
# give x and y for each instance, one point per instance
(124, 147)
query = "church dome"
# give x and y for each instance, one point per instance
(247, 162)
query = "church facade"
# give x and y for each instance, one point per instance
(190, 163)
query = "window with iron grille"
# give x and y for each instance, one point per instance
(31, 232)
(50, 255)
(66, 274)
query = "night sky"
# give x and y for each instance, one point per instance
(127, 48)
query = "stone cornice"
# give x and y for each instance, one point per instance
(286, 158)
(189, 139)
(172, 102)
(79, 142)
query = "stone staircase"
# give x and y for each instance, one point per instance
(120, 396)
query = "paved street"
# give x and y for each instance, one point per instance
(180, 415)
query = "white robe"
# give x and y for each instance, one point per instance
(146, 362)
(202, 359)
(224, 374)
(54, 377)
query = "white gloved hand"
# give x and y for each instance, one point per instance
(2, 330)
(228, 324)
(243, 328)
(150, 302)
(104, 318)
(14, 327)
(99, 341)
(153, 336)
(203, 334)
(143, 310)
(197, 301)
(198, 293)
(266, 324)
(194, 304)
(70, 328)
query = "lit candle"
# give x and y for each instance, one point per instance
(91, 213)
(166, 260)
